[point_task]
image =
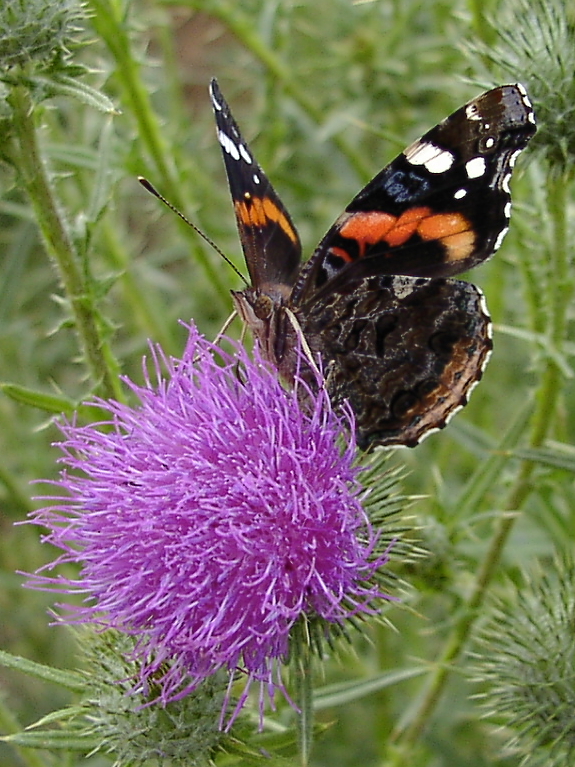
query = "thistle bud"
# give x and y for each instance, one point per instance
(37, 30)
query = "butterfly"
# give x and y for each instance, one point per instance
(400, 340)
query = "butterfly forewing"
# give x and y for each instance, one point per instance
(269, 239)
(441, 207)
(397, 340)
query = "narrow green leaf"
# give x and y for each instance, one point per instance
(101, 190)
(71, 680)
(340, 694)
(548, 457)
(54, 739)
(540, 340)
(489, 470)
(50, 403)
(60, 715)
(61, 85)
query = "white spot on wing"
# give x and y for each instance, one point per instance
(245, 154)
(460, 194)
(228, 145)
(527, 101)
(471, 112)
(256, 178)
(403, 286)
(432, 157)
(215, 102)
(475, 167)
(507, 210)
(487, 316)
(513, 158)
(483, 304)
(500, 238)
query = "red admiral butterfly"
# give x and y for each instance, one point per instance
(400, 341)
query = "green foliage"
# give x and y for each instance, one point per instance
(525, 660)
(541, 48)
(33, 31)
(327, 92)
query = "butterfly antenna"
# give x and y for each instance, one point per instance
(152, 190)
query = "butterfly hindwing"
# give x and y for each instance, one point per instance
(401, 381)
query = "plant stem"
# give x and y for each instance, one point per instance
(59, 244)
(302, 664)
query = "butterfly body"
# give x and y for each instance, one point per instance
(265, 314)
(398, 339)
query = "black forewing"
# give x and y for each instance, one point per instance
(481, 141)
(269, 239)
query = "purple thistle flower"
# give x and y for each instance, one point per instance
(209, 518)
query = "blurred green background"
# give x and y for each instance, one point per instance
(326, 92)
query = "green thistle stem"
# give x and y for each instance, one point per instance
(110, 22)
(560, 292)
(59, 244)
(303, 686)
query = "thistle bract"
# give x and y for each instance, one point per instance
(37, 30)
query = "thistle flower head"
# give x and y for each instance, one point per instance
(524, 659)
(209, 518)
(37, 30)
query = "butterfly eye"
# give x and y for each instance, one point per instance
(263, 306)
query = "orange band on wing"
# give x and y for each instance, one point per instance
(442, 225)
(370, 227)
(407, 225)
(367, 228)
(454, 231)
(340, 253)
(258, 211)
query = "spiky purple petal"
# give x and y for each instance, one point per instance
(209, 517)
